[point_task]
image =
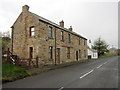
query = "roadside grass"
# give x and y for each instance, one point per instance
(107, 55)
(11, 72)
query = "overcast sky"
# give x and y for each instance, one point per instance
(89, 18)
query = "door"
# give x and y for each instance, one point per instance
(77, 55)
(58, 56)
(31, 52)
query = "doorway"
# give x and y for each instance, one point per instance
(58, 56)
(31, 52)
(77, 55)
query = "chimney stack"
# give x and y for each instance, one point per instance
(70, 28)
(25, 8)
(62, 23)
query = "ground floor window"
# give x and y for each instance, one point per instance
(79, 53)
(68, 53)
(50, 52)
(85, 53)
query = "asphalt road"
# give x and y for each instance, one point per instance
(100, 73)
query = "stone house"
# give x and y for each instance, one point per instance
(113, 51)
(34, 36)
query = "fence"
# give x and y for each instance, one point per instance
(23, 62)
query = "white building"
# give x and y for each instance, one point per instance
(92, 54)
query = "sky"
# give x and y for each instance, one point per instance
(89, 18)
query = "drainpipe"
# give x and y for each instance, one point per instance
(12, 38)
(55, 45)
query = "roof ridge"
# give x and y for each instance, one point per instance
(54, 24)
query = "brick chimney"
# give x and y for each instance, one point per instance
(62, 23)
(25, 8)
(70, 28)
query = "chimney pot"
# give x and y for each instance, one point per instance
(70, 28)
(62, 23)
(25, 8)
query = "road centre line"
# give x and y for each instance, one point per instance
(86, 74)
(100, 66)
(60, 88)
(105, 62)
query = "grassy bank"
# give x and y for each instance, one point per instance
(107, 55)
(11, 72)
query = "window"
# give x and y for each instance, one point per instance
(68, 52)
(79, 41)
(79, 53)
(50, 52)
(50, 32)
(84, 42)
(69, 38)
(32, 31)
(61, 36)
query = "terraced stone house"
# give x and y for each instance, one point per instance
(34, 36)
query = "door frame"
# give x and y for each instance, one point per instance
(58, 55)
(77, 55)
(31, 49)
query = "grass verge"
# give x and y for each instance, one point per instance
(11, 72)
(107, 55)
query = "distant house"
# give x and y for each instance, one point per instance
(113, 51)
(92, 54)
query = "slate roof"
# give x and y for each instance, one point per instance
(56, 25)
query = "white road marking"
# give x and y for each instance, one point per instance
(60, 88)
(100, 66)
(86, 74)
(105, 62)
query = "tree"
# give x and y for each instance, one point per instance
(6, 34)
(101, 46)
(4, 40)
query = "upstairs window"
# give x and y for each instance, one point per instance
(84, 42)
(32, 31)
(50, 35)
(61, 36)
(69, 38)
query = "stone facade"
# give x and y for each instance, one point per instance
(113, 51)
(40, 41)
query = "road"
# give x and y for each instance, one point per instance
(100, 73)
